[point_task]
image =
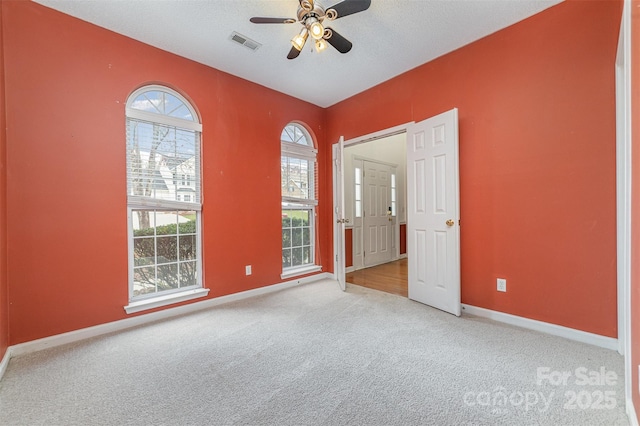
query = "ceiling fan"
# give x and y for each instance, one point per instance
(312, 16)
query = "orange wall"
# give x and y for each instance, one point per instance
(348, 247)
(537, 159)
(403, 238)
(635, 202)
(4, 305)
(67, 83)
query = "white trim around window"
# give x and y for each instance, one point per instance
(166, 300)
(164, 232)
(298, 197)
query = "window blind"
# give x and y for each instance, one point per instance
(163, 163)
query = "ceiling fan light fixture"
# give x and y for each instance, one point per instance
(321, 45)
(300, 39)
(315, 28)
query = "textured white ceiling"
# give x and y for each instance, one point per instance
(391, 37)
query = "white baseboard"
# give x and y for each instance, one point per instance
(632, 413)
(361, 266)
(544, 327)
(110, 327)
(5, 362)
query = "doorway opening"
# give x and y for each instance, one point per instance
(375, 203)
(432, 209)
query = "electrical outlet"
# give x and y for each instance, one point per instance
(502, 284)
(247, 270)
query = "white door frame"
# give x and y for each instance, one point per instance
(337, 158)
(338, 249)
(623, 195)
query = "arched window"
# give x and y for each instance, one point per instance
(298, 172)
(163, 195)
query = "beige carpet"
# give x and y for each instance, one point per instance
(313, 355)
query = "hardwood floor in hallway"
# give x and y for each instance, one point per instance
(389, 277)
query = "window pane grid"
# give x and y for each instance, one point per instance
(162, 103)
(165, 252)
(297, 237)
(293, 133)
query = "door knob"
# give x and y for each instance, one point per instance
(450, 222)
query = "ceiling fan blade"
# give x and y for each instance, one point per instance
(349, 7)
(293, 53)
(261, 20)
(340, 43)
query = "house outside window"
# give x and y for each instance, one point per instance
(163, 149)
(298, 170)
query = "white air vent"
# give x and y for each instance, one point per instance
(245, 41)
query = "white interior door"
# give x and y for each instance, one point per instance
(339, 216)
(433, 229)
(377, 219)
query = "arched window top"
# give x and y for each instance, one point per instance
(295, 133)
(161, 104)
(297, 141)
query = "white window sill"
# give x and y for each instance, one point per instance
(168, 299)
(300, 271)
